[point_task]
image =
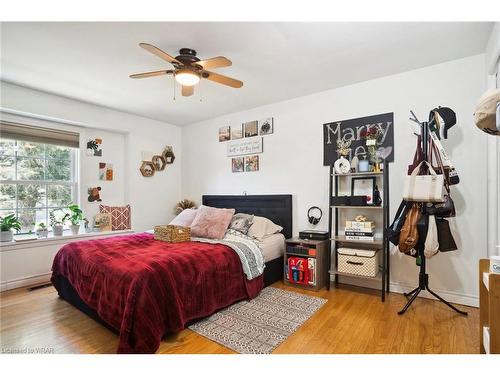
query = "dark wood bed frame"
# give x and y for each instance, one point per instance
(277, 208)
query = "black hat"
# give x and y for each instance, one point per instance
(449, 118)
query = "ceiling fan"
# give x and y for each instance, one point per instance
(189, 69)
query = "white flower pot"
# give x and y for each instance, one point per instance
(74, 229)
(42, 233)
(58, 230)
(6, 236)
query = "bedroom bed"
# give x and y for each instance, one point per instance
(144, 289)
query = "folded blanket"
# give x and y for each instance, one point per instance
(247, 248)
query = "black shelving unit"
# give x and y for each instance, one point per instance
(382, 244)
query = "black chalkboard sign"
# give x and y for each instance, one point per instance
(351, 130)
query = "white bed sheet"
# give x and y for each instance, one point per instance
(273, 246)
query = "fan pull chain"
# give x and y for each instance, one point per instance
(199, 87)
(174, 84)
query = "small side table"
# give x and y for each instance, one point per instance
(317, 251)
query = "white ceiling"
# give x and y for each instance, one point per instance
(276, 61)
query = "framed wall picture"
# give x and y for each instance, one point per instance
(251, 129)
(245, 147)
(238, 164)
(94, 147)
(350, 130)
(105, 171)
(266, 126)
(364, 186)
(252, 163)
(237, 132)
(94, 194)
(224, 133)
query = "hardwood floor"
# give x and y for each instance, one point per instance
(352, 321)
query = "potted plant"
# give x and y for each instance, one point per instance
(75, 218)
(7, 223)
(42, 231)
(57, 224)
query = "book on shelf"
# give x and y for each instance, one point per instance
(349, 232)
(360, 238)
(361, 225)
(311, 264)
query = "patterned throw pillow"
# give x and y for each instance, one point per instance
(120, 216)
(241, 222)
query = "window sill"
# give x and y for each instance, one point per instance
(30, 241)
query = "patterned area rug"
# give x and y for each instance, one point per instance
(260, 325)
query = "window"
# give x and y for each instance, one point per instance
(36, 178)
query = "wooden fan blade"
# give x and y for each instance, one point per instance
(158, 52)
(151, 74)
(214, 62)
(187, 90)
(219, 78)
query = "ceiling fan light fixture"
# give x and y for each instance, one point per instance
(186, 77)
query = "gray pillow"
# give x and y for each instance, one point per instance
(241, 223)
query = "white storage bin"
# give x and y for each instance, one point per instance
(358, 261)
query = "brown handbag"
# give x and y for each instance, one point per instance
(408, 237)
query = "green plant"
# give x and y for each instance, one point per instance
(9, 222)
(42, 226)
(54, 220)
(76, 215)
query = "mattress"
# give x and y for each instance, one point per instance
(273, 246)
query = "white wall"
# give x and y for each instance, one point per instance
(125, 136)
(293, 157)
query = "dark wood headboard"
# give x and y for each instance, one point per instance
(277, 208)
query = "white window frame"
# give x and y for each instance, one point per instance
(74, 153)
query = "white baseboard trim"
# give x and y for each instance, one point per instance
(398, 287)
(452, 297)
(25, 281)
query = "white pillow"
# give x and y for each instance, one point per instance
(262, 228)
(185, 218)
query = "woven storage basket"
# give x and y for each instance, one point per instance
(172, 233)
(358, 262)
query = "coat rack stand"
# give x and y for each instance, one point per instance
(423, 277)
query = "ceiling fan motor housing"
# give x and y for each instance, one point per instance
(187, 56)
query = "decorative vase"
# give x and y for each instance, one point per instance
(58, 229)
(354, 164)
(42, 233)
(6, 236)
(364, 166)
(75, 229)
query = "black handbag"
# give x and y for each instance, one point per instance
(394, 229)
(441, 209)
(445, 237)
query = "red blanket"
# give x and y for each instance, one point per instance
(146, 288)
